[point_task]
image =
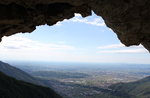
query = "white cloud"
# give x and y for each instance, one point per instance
(98, 21)
(25, 43)
(21, 48)
(124, 51)
(111, 46)
(59, 23)
(95, 21)
(77, 15)
(120, 48)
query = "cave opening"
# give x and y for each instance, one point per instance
(80, 57)
(75, 40)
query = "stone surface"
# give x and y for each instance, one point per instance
(129, 19)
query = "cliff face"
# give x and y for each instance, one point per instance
(129, 19)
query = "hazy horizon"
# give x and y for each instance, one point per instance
(22, 62)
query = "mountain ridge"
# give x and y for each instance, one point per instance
(139, 89)
(18, 73)
(12, 88)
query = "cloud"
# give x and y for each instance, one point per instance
(21, 48)
(25, 43)
(94, 21)
(77, 15)
(97, 21)
(120, 48)
(59, 23)
(111, 46)
(11, 47)
(124, 51)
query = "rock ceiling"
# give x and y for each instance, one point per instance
(129, 19)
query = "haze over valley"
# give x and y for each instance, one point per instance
(86, 80)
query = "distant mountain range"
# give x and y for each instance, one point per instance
(17, 73)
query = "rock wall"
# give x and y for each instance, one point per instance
(129, 19)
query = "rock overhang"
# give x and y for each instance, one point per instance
(129, 19)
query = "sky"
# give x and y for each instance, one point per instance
(74, 40)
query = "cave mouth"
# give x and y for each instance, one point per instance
(129, 20)
(73, 40)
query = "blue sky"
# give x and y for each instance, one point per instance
(75, 40)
